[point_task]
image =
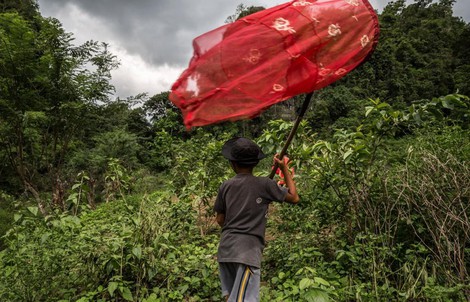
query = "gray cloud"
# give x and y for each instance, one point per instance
(159, 31)
(162, 31)
(156, 30)
(154, 36)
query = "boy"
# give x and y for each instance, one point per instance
(241, 207)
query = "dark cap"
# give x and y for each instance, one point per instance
(242, 150)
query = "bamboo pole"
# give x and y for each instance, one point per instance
(300, 116)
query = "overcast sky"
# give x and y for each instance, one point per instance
(152, 38)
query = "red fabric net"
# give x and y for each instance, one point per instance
(240, 69)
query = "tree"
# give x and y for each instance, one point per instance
(28, 9)
(243, 11)
(164, 115)
(418, 53)
(46, 87)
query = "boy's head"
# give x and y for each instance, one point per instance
(243, 152)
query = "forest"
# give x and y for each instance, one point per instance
(105, 199)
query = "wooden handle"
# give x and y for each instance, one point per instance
(304, 108)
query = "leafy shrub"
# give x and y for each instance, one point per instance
(359, 233)
(6, 216)
(366, 218)
(128, 249)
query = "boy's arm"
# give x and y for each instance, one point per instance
(292, 196)
(220, 219)
(219, 208)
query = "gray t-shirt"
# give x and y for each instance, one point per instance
(244, 199)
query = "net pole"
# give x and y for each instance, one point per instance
(300, 116)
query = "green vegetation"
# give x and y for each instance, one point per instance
(109, 201)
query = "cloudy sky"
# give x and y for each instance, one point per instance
(152, 38)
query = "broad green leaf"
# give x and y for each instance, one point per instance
(33, 210)
(305, 283)
(321, 281)
(112, 287)
(8, 271)
(434, 101)
(312, 270)
(347, 154)
(17, 217)
(182, 289)
(395, 114)
(318, 145)
(126, 293)
(137, 251)
(45, 237)
(359, 147)
(454, 99)
(328, 146)
(447, 103)
(151, 273)
(151, 298)
(136, 221)
(316, 295)
(382, 105)
(73, 197)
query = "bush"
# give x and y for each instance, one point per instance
(6, 215)
(128, 249)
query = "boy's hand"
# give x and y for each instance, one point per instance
(292, 196)
(281, 163)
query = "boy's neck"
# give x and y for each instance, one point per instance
(242, 170)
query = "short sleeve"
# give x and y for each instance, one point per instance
(275, 192)
(219, 205)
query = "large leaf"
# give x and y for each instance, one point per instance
(305, 283)
(33, 210)
(316, 295)
(112, 287)
(137, 251)
(126, 293)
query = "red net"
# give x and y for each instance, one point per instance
(240, 69)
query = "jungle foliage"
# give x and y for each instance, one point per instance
(111, 200)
